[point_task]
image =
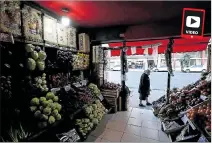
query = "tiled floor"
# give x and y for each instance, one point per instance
(134, 125)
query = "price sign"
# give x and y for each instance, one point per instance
(70, 136)
(101, 97)
(184, 119)
(77, 84)
(67, 88)
(203, 97)
(54, 90)
(84, 82)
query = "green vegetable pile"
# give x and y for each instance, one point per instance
(37, 57)
(94, 112)
(40, 82)
(85, 125)
(46, 109)
(95, 90)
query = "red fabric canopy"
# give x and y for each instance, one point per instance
(180, 46)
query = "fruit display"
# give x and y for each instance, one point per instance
(6, 87)
(80, 61)
(111, 86)
(182, 99)
(41, 83)
(201, 115)
(95, 90)
(36, 57)
(46, 109)
(58, 80)
(95, 113)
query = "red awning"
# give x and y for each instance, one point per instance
(180, 46)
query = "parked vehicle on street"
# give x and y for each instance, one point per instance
(116, 68)
(160, 69)
(195, 68)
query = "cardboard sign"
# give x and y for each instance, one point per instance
(193, 23)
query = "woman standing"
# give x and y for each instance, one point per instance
(144, 88)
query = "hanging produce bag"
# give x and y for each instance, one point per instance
(62, 35)
(72, 38)
(32, 24)
(10, 15)
(50, 24)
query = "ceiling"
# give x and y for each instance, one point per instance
(147, 17)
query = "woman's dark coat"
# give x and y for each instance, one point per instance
(144, 86)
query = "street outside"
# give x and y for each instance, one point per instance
(158, 81)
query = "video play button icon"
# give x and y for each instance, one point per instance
(193, 21)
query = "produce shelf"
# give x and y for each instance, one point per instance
(78, 111)
(48, 129)
(185, 119)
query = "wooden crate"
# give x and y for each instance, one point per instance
(112, 97)
(110, 93)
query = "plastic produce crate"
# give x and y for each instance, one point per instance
(168, 131)
(173, 136)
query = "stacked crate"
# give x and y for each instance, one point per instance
(112, 96)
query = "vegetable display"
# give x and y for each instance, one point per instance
(110, 85)
(75, 98)
(46, 109)
(192, 101)
(58, 80)
(80, 61)
(36, 57)
(64, 59)
(94, 89)
(95, 113)
(183, 99)
(6, 88)
(201, 115)
(41, 83)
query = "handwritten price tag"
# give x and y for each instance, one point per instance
(67, 88)
(54, 90)
(184, 119)
(101, 97)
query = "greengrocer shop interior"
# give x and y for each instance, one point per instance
(141, 22)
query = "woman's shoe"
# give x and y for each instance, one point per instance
(141, 105)
(148, 104)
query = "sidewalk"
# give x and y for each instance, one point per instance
(134, 98)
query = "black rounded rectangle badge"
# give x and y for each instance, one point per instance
(193, 23)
